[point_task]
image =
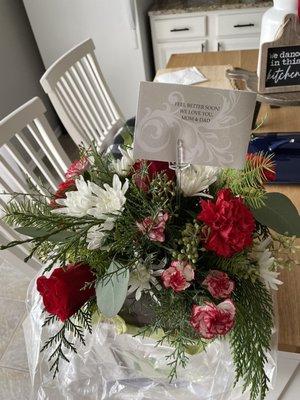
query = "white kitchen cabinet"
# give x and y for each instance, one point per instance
(166, 49)
(219, 30)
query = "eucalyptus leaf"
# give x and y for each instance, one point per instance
(279, 214)
(111, 291)
(36, 233)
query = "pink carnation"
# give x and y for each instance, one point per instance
(218, 284)
(77, 168)
(211, 320)
(154, 228)
(178, 276)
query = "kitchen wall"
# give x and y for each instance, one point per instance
(124, 55)
(20, 63)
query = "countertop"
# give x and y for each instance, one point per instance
(165, 7)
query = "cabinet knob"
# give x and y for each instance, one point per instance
(203, 47)
(219, 46)
(179, 29)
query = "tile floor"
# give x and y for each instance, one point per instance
(14, 376)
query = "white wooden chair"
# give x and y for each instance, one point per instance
(29, 151)
(81, 97)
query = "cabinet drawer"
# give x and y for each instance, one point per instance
(180, 28)
(237, 44)
(239, 24)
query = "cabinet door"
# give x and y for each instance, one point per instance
(165, 50)
(237, 44)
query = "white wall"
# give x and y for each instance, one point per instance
(20, 63)
(58, 25)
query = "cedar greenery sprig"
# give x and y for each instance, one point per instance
(251, 337)
(76, 327)
(178, 357)
(238, 266)
(172, 315)
(65, 235)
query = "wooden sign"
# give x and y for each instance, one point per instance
(280, 60)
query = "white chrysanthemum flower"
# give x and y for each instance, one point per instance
(97, 234)
(144, 277)
(196, 178)
(77, 203)
(122, 166)
(109, 199)
(265, 261)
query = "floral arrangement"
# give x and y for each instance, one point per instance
(198, 247)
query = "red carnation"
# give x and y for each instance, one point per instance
(77, 168)
(211, 320)
(146, 171)
(257, 161)
(63, 293)
(62, 188)
(218, 284)
(231, 224)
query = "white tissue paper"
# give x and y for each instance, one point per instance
(119, 366)
(186, 76)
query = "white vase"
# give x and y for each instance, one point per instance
(273, 19)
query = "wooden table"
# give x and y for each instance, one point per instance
(279, 120)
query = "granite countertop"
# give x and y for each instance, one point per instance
(163, 7)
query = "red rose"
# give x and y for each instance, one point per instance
(154, 228)
(231, 224)
(77, 168)
(62, 292)
(257, 160)
(146, 171)
(211, 320)
(62, 188)
(218, 284)
(178, 276)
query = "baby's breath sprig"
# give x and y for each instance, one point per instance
(286, 251)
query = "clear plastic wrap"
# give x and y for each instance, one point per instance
(120, 366)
